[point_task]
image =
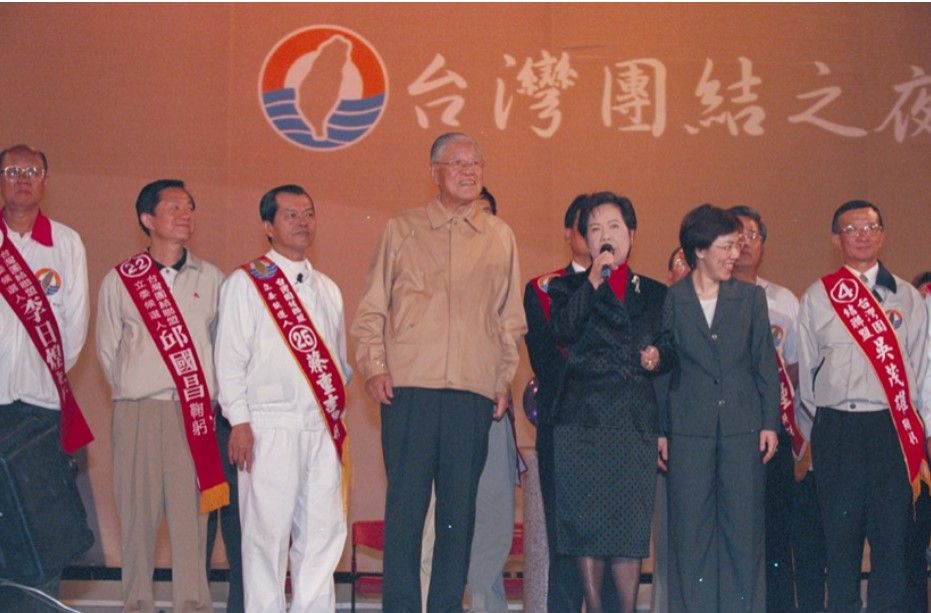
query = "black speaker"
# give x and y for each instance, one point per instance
(43, 524)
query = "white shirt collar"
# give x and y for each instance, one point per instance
(869, 274)
(290, 268)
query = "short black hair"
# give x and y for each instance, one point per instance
(701, 226)
(742, 210)
(573, 213)
(486, 195)
(624, 205)
(26, 149)
(268, 205)
(150, 195)
(853, 205)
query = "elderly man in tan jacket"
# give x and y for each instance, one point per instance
(436, 336)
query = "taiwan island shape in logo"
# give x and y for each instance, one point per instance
(323, 87)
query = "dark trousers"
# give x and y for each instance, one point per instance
(715, 489)
(564, 587)
(808, 546)
(916, 598)
(780, 480)
(228, 518)
(864, 493)
(431, 437)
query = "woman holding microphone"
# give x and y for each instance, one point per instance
(606, 414)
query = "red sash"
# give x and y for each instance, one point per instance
(27, 299)
(800, 447)
(310, 352)
(872, 331)
(165, 324)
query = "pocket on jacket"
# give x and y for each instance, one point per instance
(836, 374)
(269, 398)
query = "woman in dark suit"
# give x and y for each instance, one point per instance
(720, 414)
(606, 416)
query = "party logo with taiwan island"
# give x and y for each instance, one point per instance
(323, 87)
(50, 280)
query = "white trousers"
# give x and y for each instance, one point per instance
(292, 494)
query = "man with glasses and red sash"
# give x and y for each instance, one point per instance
(862, 340)
(44, 308)
(156, 313)
(282, 369)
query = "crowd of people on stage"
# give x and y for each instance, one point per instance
(759, 440)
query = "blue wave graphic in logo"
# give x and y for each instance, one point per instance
(349, 122)
(262, 270)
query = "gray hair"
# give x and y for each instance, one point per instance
(436, 151)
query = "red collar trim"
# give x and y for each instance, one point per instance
(41, 229)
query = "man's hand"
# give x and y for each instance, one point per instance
(768, 443)
(501, 406)
(241, 447)
(380, 388)
(662, 458)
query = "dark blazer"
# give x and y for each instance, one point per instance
(605, 337)
(545, 359)
(725, 374)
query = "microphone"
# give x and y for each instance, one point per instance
(606, 270)
(300, 277)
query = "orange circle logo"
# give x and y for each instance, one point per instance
(323, 87)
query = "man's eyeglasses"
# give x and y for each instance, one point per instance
(461, 165)
(31, 173)
(750, 237)
(872, 229)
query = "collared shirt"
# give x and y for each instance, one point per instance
(128, 355)
(870, 274)
(834, 372)
(442, 307)
(260, 381)
(56, 256)
(169, 273)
